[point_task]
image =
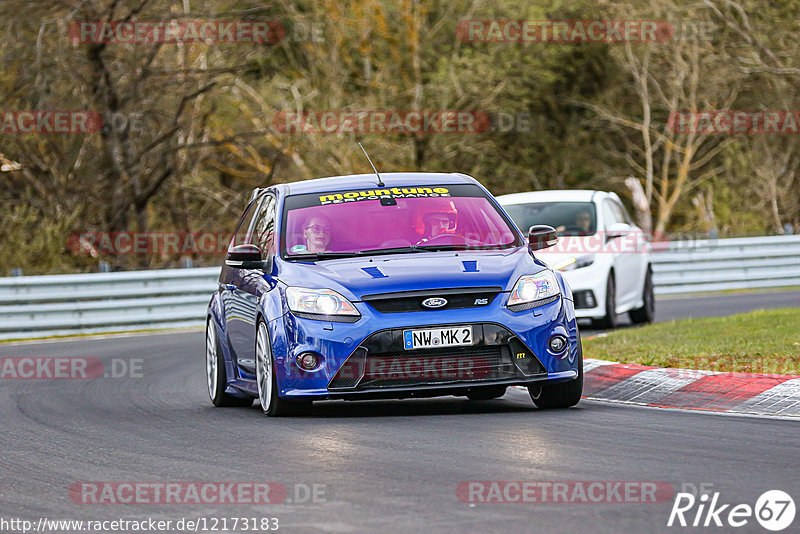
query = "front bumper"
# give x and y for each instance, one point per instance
(366, 358)
(380, 362)
(588, 286)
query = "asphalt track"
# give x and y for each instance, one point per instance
(386, 466)
(688, 306)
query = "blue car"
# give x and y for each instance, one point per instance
(392, 286)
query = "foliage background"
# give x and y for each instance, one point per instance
(204, 137)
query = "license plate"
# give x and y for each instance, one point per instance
(450, 336)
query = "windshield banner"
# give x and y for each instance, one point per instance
(376, 194)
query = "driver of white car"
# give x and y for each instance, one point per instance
(583, 222)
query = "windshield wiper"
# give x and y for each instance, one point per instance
(465, 247)
(322, 255)
(443, 247)
(394, 250)
(501, 246)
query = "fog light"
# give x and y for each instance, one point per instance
(557, 344)
(307, 361)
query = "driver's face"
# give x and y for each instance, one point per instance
(583, 221)
(439, 222)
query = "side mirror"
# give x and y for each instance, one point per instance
(617, 230)
(244, 257)
(541, 236)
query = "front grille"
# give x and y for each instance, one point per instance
(411, 301)
(379, 362)
(438, 367)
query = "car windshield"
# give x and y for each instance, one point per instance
(568, 218)
(393, 220)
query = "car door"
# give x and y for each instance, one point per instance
(238, 318)
(626, 260)
(253, 283)
(637, 252)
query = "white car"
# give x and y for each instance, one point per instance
(603, 255)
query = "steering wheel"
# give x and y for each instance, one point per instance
(454, 239)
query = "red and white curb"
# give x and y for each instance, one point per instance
(746, 393)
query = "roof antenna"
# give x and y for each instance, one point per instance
(380, 182)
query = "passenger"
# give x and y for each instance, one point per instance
(317, 233)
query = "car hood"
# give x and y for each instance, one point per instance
(356, 277)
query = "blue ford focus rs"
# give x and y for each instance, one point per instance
(403, 285)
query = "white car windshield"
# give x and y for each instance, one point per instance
(568, 218)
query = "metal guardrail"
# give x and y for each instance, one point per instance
(44, 306)
(54, 305)
(724, 264)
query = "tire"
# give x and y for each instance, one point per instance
(272, 404)
(610, 319)
(216, 377)
(562, 395)
(647, 312)
(486, 393)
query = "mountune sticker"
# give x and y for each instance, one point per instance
(375, 194)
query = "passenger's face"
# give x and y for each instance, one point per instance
(317, 232)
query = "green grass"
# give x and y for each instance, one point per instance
(763, 341)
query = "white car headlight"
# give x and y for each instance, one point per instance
(570, 264)
(534, 290)
(319, 302)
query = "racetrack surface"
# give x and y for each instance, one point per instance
(387, 466)
(668, 308)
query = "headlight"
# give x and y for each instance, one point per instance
(534, 290)
(570, 264)
(319, 302)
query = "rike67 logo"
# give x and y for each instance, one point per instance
(774, 510)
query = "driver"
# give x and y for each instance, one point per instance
(435, 217)
(583, 222)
